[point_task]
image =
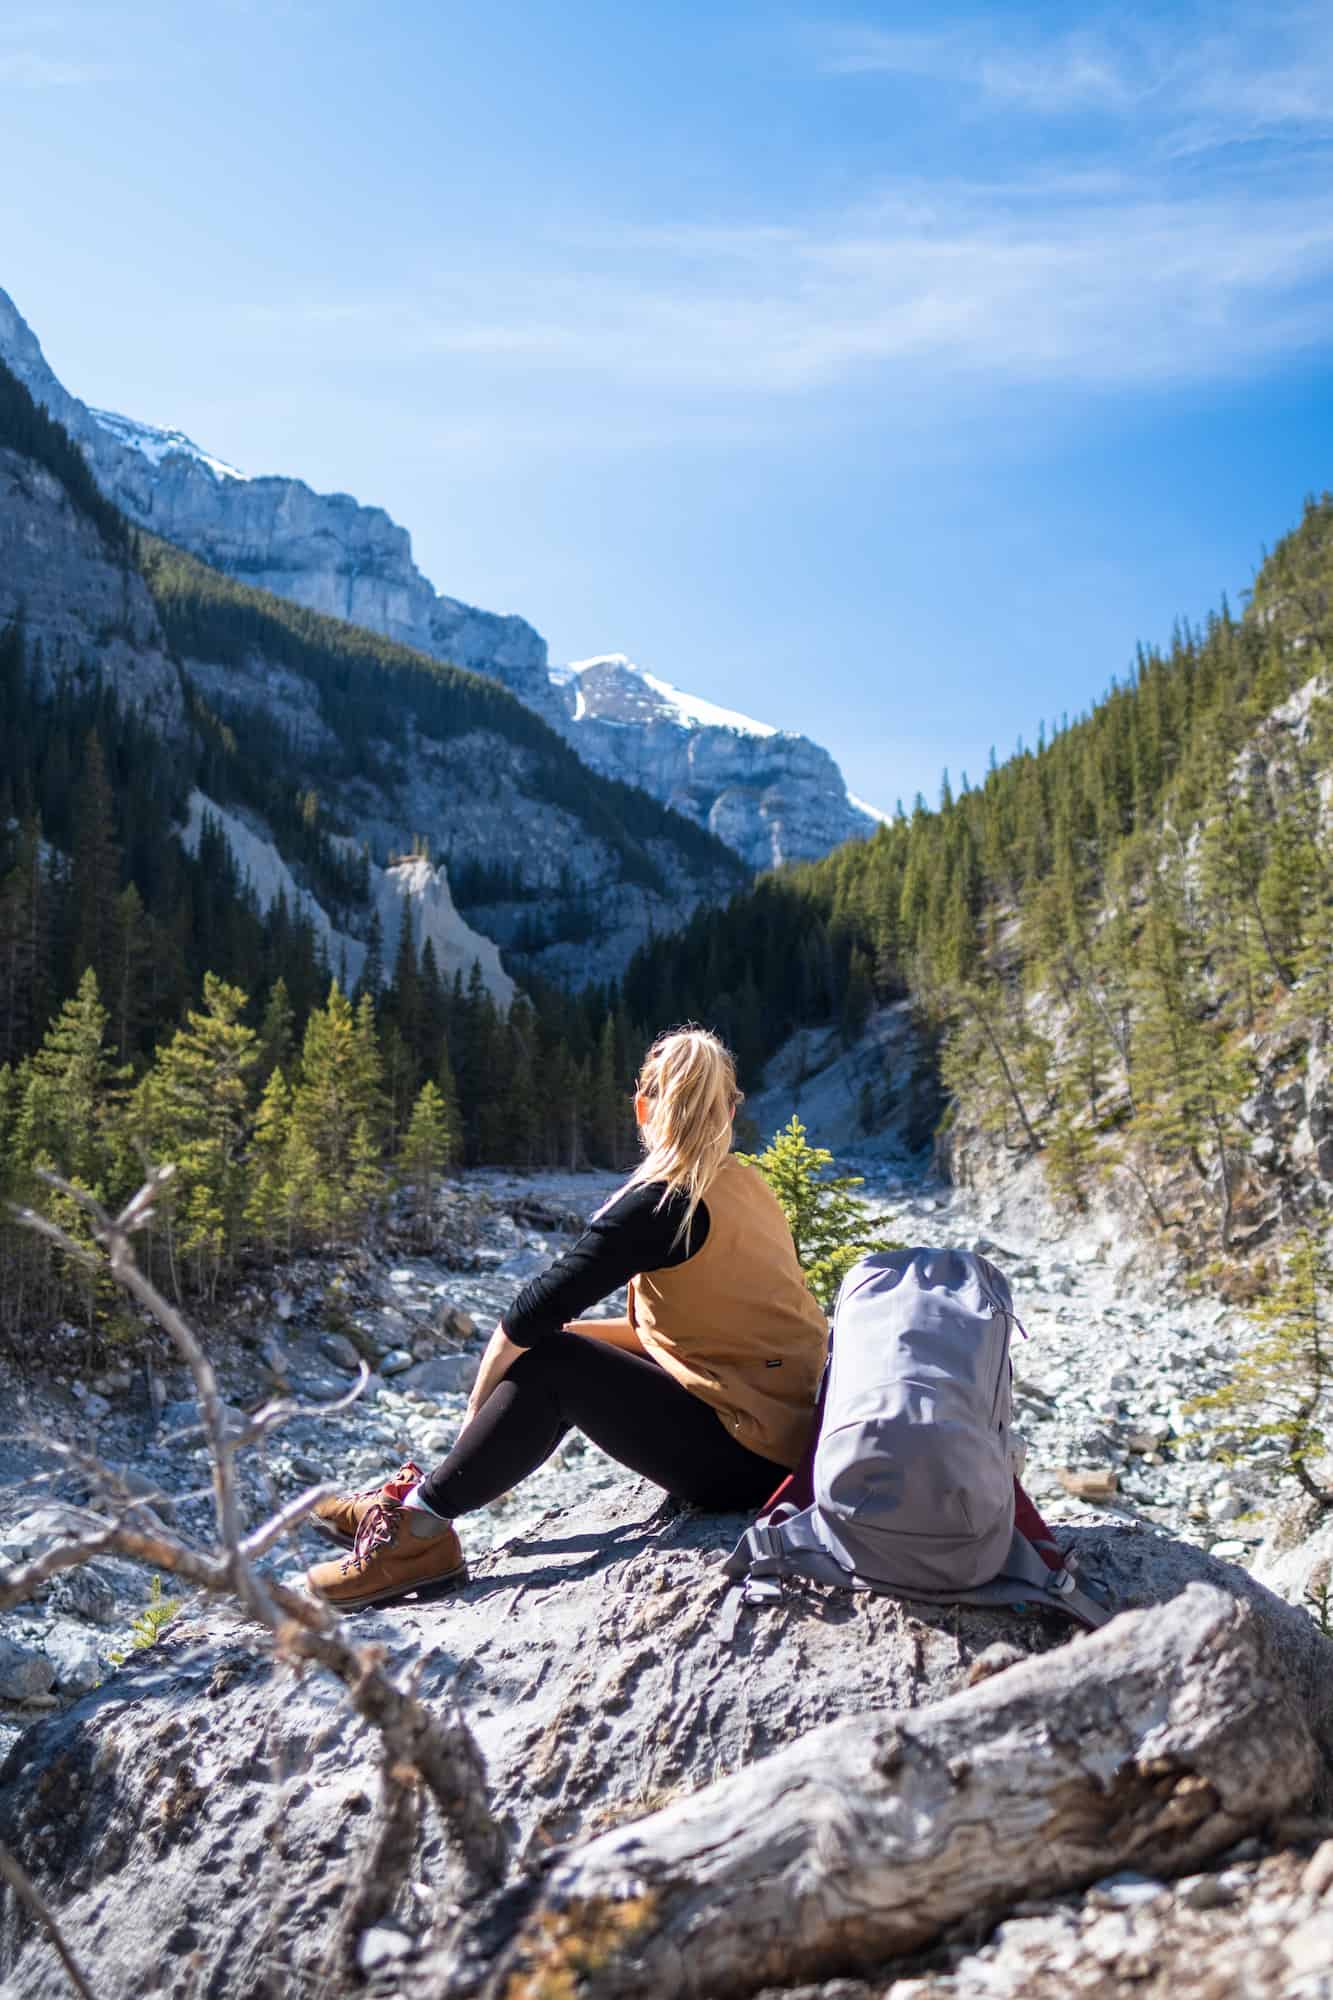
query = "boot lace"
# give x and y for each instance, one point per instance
(376, 1530)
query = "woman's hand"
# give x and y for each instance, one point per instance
(496, 1362)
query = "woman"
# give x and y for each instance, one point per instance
(707, 1388)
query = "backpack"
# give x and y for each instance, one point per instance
(909, 1475)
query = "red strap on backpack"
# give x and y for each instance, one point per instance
(798, 1488)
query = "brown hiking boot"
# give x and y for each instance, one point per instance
(340, 1516)
(398, 1550)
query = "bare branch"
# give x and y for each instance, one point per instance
(284, 1521)
(442, 1750)
(27, 1893)
(16, 1585)
(284, 1408)
(54, 1234)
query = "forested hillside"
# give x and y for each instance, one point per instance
(150, 1005)
(1123, 936)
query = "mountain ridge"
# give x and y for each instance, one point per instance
(333, 554)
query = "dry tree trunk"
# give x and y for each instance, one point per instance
(1154, 1744)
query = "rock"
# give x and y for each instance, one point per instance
(1088, 1485)
(185, 1417)
(1298, 1569)
(396, 1362)
(88, 1592)
(586, 1657)
(95, 1407)
(1126, 1891)
(338, 1349)
(523, 1264)
(444, 1375)
(49, 1524)
(284, 1305)
(993, 1660)
(163, 1507)
(458, 1323)
(74, 1656)
(277, 1360)
(1318, 1876)
(747, 1882)
(1309, 1948)
(24, 1672)
(382, 1946)
(1204, 1892)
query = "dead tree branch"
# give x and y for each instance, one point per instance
(442, 1751)
(35, 1903)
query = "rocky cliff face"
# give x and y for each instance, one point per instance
(770, 795)
(573, 891)
(323, 550)
(75, 600)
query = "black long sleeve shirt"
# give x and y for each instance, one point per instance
(634, 1234)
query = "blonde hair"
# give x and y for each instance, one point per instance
(689, 1078)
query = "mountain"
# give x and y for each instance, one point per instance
(321, 753)
(332, 555)
(771, 795)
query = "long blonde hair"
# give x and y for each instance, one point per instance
(689, 1079)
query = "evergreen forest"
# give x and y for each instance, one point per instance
(1119, 939)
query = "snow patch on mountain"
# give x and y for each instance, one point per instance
(602, 687)
(156, 444)
(872, 812)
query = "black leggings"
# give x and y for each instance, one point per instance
(625, 1403)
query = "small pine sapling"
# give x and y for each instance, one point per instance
(147, 1628)
(831, 1226)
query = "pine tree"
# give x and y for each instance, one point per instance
(197, 1103)
(276, 1031)
(830, 1224)
(337, 1111)
(96, 869)
(271, 1204)
(70, 1094)
(130, 990)
(1280, 1386)
(428, 1145)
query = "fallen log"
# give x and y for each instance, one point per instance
(1153, 1744)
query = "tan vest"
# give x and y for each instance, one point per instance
(736, 1324)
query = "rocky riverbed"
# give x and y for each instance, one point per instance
(625, 1630)
(1103, 1387)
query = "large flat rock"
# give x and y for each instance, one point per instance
(205, 1809)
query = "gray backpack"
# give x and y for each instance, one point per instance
(914, 1491)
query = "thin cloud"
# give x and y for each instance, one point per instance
(1122, 285)
(1208, 77)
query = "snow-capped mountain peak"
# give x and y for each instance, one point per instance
(155, 444)
(611, 688)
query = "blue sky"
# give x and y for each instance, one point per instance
(884, 371)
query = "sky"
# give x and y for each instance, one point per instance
(884, 372)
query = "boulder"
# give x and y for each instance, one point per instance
(444, 1375)
(338, 1349)
(74, 1655)
(24, 1671)
(588, 1658)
